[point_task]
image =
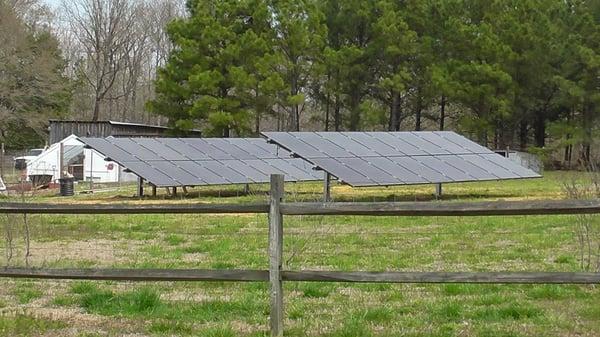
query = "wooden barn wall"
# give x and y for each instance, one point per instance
(62, 130)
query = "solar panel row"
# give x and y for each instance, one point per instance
(167, 162)
(399, 158)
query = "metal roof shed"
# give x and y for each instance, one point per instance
(60, 129)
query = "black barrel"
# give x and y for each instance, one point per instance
(67, 188)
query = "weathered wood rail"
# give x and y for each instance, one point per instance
(199, 208)
(276, 209)
(173, 275)
(441, 208)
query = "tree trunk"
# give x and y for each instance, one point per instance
(568, 153)
(337, 118)
(354, 112)
(96, 114)
(523, 135)
(256, 113)
(497, 136)
(257, 123)
(279, 126)
(418, 110)
(394, 115)
(442, 112)
(397, 101)
(569, 148)
(327, 105)
(588, 122)
(296, 118)
(294, 121)
(540, 129)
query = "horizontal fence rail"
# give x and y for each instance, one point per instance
(445, 208)
(173, 275)
(535, 207)
(444, 277)
(20, 208)
(137, 274)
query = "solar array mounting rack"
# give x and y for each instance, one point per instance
(398, 158)
(172, 162)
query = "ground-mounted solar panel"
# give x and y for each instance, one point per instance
(171, 162)
(398, 158)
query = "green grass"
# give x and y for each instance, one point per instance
(515, 243)
(143, 301)
(27, 292)
(174, 239)
(22, 325)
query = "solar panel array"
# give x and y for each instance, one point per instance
(169, 162)
(399, 158)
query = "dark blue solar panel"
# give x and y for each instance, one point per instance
(398, 158)
(211, 161)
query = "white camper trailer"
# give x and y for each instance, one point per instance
(81, 163)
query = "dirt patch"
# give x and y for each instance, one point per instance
(104, 251)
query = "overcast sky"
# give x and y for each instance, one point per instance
(53, 3)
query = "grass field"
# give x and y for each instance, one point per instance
(518, 243)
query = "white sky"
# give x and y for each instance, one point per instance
(53, 3)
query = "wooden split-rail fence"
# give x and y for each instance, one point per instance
(276, 209)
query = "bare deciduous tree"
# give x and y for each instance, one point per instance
(105, 30)
(114, 47)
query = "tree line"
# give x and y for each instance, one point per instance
(508, 73)
(32, 83)
(523, 74)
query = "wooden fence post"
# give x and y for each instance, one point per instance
(276, 254)
(140, 187)
(326, 186)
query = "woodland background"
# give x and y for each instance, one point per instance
(523, 74)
